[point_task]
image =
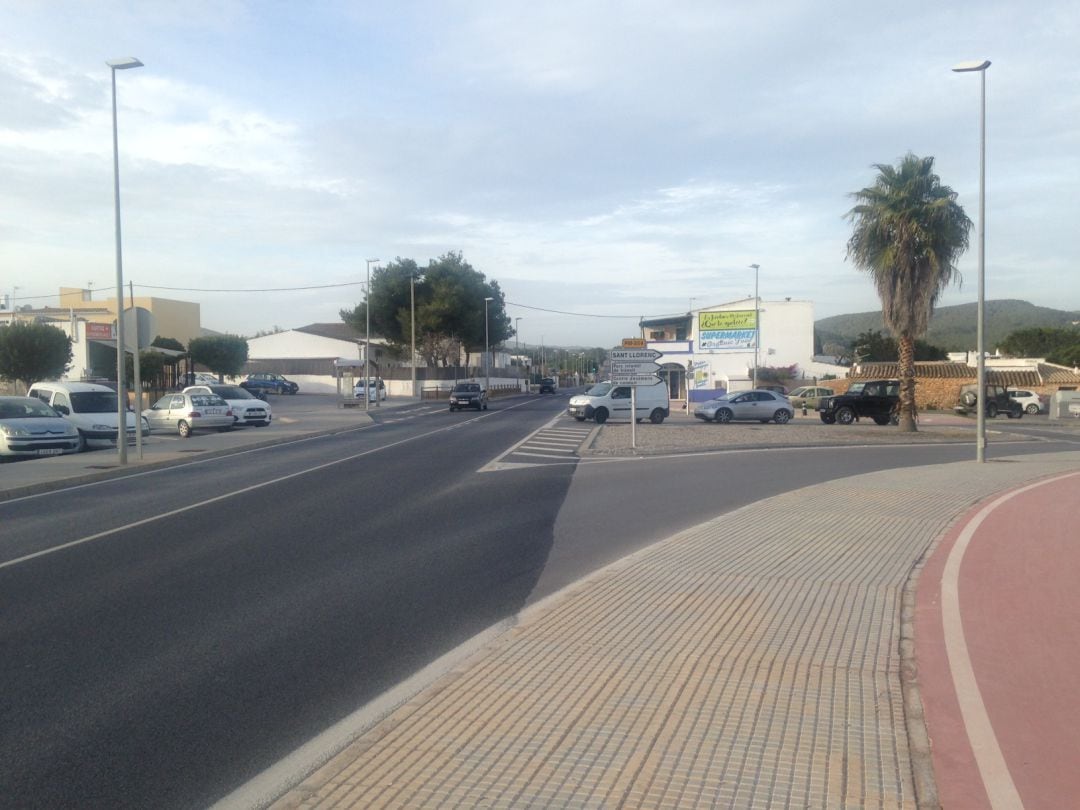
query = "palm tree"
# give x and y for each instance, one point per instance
(909, 231)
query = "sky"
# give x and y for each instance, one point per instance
(603, 161)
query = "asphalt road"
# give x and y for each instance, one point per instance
(201, 622)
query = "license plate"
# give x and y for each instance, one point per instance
(52, 451)
(214, 411)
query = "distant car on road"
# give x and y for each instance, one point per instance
(269, 382)
(997, 401)
(376, 390)
(548, 385)
(877, 399)
(29, 428)
(468, 395)
(186, 413)
(1030, 401)
(758, 405)
(247, 409)
(808, 396)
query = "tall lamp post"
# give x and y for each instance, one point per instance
(487, 361)
(980, 311)
(757, 322)
(367, 340)
(121, 392)
(517, 349)
(412, 310)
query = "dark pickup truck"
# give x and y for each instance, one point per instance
(877, 399)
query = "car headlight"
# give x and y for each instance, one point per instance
(103, 427)
(12, 430)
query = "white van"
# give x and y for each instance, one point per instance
(92, 408)
(608, 401)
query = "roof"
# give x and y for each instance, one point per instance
(1043, 374)
(337, 331)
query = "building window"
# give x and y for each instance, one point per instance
(656, 336)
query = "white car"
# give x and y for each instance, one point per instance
(247, 409)
(376, 390)
(1030, 401)
(30, 428)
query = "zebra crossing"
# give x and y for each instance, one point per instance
(557, 442)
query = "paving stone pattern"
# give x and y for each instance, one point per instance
(752, 661)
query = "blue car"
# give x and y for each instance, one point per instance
(269, 382)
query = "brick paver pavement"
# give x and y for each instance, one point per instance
(753, 661)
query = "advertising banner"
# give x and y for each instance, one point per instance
(732, 330)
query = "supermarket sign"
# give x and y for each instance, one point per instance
(733, 329)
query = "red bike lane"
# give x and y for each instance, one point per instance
(997, 645)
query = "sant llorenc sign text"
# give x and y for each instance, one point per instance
(633, 366)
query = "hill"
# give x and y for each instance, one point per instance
(952, 328)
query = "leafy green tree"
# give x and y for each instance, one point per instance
(1039, 342)
(449, 295)
(172, 344)
(222, 354)
(30, 352)
(908, 234)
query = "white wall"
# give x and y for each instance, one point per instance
(292, 345)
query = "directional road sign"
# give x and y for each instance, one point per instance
(633, 366)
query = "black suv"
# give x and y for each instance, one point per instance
(877, 399)
(997, 401)
(547, 385)
(468, 395)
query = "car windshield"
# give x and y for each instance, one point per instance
(94, 402)
(599, 390)
(231, 392)
(467, 388)
(25, 409)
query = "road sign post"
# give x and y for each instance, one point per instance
(634, 365)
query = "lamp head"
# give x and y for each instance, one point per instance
(124, 63)
(974, 66)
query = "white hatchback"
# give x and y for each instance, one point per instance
(185, 413)
(1031, 402)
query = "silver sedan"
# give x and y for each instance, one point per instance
(29, 428)
(756, 405)
(185, 413)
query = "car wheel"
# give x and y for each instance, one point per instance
(968, 398)
(656, 417)
(600, 415)
(827, 419)
(782, 417)
(184, 429)
(845, 415)
(1032, 409)
(723, 416)
(991, 411)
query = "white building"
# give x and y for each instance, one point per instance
(713, 349)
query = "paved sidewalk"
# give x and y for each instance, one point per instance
(757, 660)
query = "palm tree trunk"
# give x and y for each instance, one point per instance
(907, 384)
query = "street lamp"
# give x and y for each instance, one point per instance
(121, 394)
(980, 310)
(487, 366)
(757, 322)
(412, 309)
(367, 340)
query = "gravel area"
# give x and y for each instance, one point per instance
(680, 434)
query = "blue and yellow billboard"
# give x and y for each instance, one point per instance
(732, 329)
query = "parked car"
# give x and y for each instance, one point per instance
(1030, 401)
(468, 395)
(758, 405)
(877, 399)
(187, 412)
(606, 400)
(997, 401)
(808, 396)
(548, 385)
(269, 382)
(92, 408)
(247, 409)
(30, 428)
(376, 390)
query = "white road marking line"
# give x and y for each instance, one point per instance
(993, 769)
(492, 465)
